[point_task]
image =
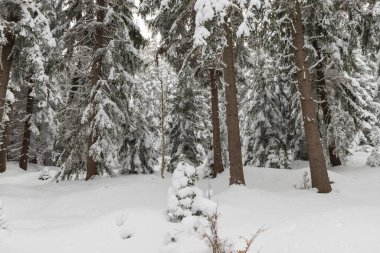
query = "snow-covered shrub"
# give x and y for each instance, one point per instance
(306, 183)
(206, 228)
(279, 160)
(374, 159)
(183, 192)
(44, 174)
(283, 160)
(200, 218)
(272, 160)
(3, 220)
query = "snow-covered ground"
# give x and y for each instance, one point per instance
(94, 216)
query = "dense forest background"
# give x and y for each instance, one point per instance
(215, 83)
(182, 126)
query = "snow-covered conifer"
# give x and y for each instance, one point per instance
(102, 44)
(189, 134)
(373, 159)
(183, 192)
(187, 127)
(29, 38)
(271, 119)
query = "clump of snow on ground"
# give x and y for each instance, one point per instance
(127, 228)
(3, 220)
(45, 174)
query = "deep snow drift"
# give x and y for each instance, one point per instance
(127, 213)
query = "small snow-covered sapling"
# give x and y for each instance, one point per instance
(44, 174)
(3, 220)
(374, 159)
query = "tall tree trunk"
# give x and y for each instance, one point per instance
(322, 91)
(96, 73)
(217, 147)
(234, 145)
(318, 169)
(5, 141)
(27, 132)
(92, 164)
(5, 69)
(163, 145)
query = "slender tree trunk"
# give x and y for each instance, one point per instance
(163, 145)
(318, 169)
(322, 90)
(234, 145)
(96, 73)
(217, 146)
(5, 141)
(27, 132)
(5, 69)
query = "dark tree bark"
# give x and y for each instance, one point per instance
(234, 145)
(5, 140)
(322, 91)
(217, 147)
(96, 73)
(92, 165)
(318, 169)
(162, 124)
(5, 69)
(27, 132)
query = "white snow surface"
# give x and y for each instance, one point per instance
(127, 213)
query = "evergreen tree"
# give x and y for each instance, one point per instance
(183, 192)
(27, 41)
(223, 29)
(8, 122)
(102, 42)
(271, 109)
(160, 79)
(344, 74)
(138, 153)
(188, 134)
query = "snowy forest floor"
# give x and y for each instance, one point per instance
(82, 216)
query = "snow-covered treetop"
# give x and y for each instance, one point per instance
(217, 10)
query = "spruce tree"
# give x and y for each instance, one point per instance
(187, 130)
(223, 30)
(271, 108)
(175, 23)
(30, 41)
(102, 43)
(343, 73)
